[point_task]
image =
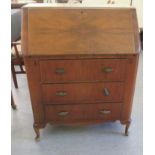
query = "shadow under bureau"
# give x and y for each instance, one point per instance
(81, 63)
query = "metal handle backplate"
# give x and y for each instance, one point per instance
(63, 113)
(106, 92)
(60, 71)
(107, 70)
(61, 93)
(105, 112)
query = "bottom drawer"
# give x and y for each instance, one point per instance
(83, 112)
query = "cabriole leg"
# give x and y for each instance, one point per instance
(36, 129)
(127, 127)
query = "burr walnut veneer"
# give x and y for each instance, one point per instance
(81, 63)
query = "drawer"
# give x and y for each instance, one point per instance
(57, 71)
(82, 92)
(107, 112)
(63, 112)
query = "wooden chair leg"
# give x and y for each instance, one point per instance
(21, 68)
(14, 76)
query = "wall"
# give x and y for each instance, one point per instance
(139, 6)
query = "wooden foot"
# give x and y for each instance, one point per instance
(36, 129)
(13, 106)
(13, 103)
(127, 127)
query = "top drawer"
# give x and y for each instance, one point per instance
(82, 70)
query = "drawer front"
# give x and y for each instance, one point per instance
(96, 111)
(82, 70)
(107, 111)
(63, 112)
(82, 92)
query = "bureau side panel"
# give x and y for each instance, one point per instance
(33, 75)
(131, 73)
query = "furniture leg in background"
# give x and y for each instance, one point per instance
(13, 105)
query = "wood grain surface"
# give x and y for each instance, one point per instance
(61, 31)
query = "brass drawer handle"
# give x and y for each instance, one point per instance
(107, 69)
(105, 112)
(63, 113)
(106, 92)
(61, 93)
(60, 71)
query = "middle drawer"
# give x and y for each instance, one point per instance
(82, 92)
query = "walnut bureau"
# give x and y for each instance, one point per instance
(81, 63)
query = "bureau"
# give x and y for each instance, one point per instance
(81, 63)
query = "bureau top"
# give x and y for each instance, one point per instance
(79, 31)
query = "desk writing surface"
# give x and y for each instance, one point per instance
(79, 30)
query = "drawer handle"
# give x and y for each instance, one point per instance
(106, 92)
(107, 69)
(105, 112)
(61, 93)
(60, 71)
(63, 113)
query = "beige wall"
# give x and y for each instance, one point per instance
(139, 6)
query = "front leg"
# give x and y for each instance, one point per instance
(36, 129)
(127, 125)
